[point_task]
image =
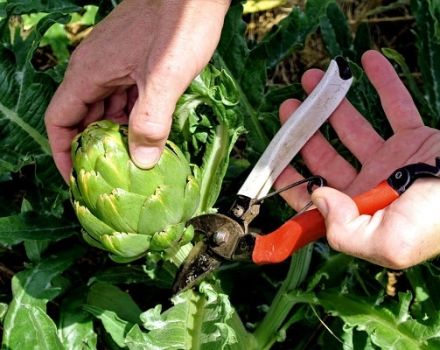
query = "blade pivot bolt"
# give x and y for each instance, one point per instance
(219, 237)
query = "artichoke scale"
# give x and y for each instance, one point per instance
(126, 245)
(112, 166)
(91, 185)
(120, 209)
(170, 236)
(95, 227)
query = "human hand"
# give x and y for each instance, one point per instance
(133, 67)
(405, 233)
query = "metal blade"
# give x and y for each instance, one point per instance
(199, 263)
(298, 129)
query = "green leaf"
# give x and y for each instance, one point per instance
(26, 325)
(427, 17)
(127, 274)
(248, 65)
(268, 329)
(424, 106)
(336, 32)
(115, 326)
(426, 303)
(3, 311)
(206, 126)
(109, 297)
(196, 321)
(34, 249)
(32, 226)
(387, 328)
(75, 326)
(24, 96)
(18, 7)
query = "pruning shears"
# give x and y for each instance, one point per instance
(228, 236)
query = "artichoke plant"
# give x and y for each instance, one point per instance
(126, 210)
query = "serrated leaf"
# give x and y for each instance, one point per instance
(24, 96)
(26, 325)
(336, 32)
(248, 65)
(206, 126)
(385, 328)
(196, 321)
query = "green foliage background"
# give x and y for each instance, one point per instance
(58, 293)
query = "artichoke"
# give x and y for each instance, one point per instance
(126, 210)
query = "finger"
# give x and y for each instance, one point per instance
(132, 96)
(115, 104)
(60, 141)
(347, 231)
(396, 101)
(321, 158)
(150, 118)
(116, 107)
(66, 111)
(375, 238)
(297, 197)
(94, 113)
(352, 128)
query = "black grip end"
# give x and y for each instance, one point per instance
(344, 68)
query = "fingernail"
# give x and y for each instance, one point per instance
(146, 157)
(321, 204)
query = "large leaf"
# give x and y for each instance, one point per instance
(427, 16)
(32, 226)
(18, 7)
(109, 297)
(75, 326)
(24, 96)
(202, 320)
(338, 39)
(206, 126)
(26, 325)
(116, 327)
(387, 328)
(248, 65)
(196, 321)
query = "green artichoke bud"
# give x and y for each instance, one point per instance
(126, 210)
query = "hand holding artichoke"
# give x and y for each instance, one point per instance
(122, 208)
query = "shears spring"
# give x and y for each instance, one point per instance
(311, 181)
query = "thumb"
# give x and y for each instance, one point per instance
(342, 219)
(150, 121)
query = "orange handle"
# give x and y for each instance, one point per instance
(309, 226)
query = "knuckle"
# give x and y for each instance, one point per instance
(398, 252)
(80, 58)
(334, 238)
(152, 130)
(397, 259)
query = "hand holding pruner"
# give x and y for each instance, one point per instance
(228, 237)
